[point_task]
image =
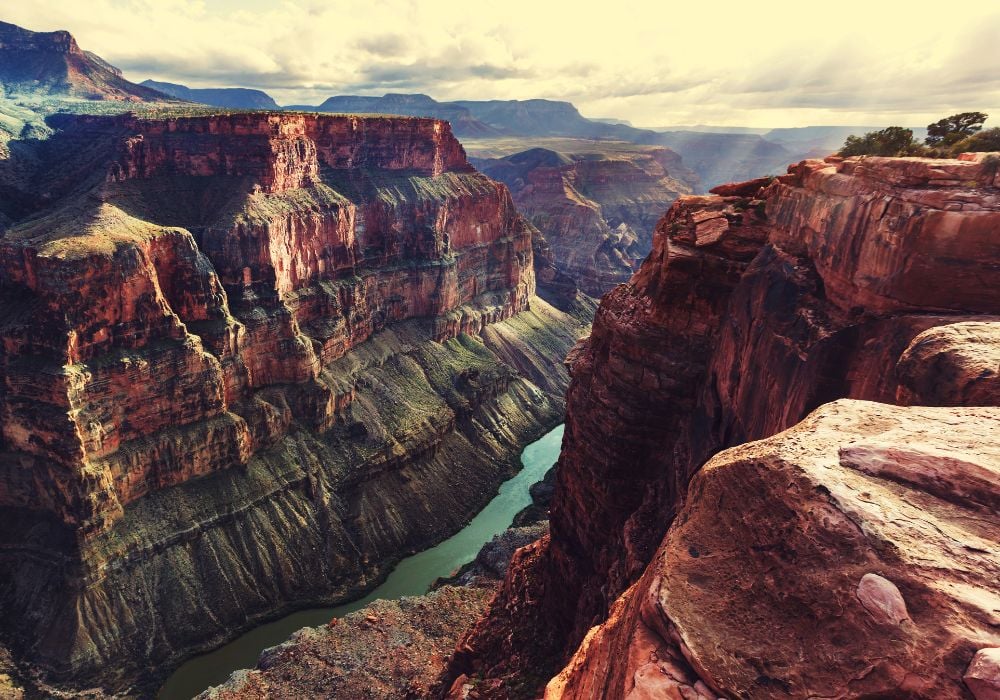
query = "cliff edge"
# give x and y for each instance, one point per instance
(872, 279)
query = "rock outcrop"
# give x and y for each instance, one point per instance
(52, 63)
(249, 362)
(596, 209)
(391, 649)
(854, 555)
(870, 279)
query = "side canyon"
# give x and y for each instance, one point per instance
(596, 203)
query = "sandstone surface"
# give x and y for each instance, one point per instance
(834, 559)
(388, 650)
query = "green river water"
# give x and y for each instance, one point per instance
(412, 576)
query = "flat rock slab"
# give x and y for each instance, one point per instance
(857, 553)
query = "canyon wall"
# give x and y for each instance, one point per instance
(596, 208)
(870, 279)
(249, 362)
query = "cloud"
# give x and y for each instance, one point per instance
(651, 63)
(387, 45)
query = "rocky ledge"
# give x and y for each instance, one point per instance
(852, 556)
(391, 649)
(856, 554)
(249, 361)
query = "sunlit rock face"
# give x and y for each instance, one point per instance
(150, 327)
(854, 555)
(251, 360)
(871, 279)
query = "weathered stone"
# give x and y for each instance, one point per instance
(750, 188)
(761, 597)
(391, 649)
(882, 599)
(983, 674)
(953, 365)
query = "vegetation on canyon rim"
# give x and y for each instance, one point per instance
(946, 138)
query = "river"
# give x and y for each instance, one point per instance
(412, 576)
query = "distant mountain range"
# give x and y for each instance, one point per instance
(537, 117)
(715, 157)
(236, 98)
(463, 122)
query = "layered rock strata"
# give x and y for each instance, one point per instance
(249, 365)
(865, 278)
(597, 210)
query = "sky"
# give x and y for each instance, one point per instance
(654, 63)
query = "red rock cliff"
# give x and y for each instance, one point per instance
(866, 278)
(147, 329)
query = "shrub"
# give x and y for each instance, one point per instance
(988, 140)
(892, 141)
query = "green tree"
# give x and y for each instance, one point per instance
(953, 129)
(892, 141)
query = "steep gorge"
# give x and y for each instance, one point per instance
(249, 362)
(870, 279)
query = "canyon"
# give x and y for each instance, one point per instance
(253, 361)
(250, 361)
(349, 649)
(836, 330)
